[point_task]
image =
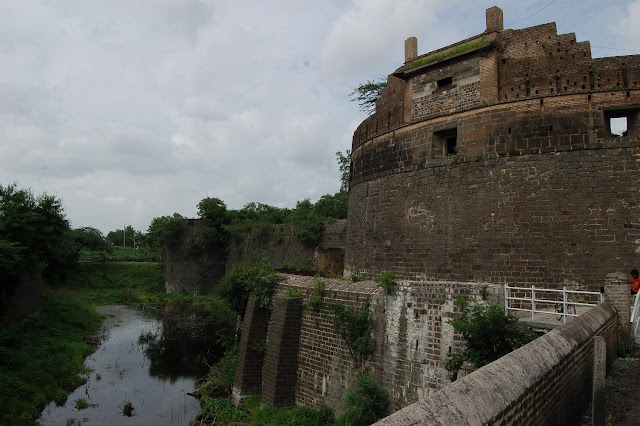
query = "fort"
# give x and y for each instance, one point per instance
(511, 158)
(494, 159)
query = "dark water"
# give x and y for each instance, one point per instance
(143, 361)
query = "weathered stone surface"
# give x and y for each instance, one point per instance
(537, 191)
(548, 381)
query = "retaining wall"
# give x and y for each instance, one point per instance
(548, 381)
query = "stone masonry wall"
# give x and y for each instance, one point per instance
(548, 381)
(537, 189)
(201, 273)
(412, 338)
(280, 245)
(539, 194)
(194, 273)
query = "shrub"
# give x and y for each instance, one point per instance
(289, 266)
(293, 292)
(365, 403)
(355, 328)
(386, 280)
(257, 278)
(315, 301)
(489, 333)
(354, 275)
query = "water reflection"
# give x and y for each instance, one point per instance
(185, 345)
(146, 363)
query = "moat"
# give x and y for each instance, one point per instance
(140, 373)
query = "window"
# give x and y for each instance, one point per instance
(445, 143)
(621, 122)
(618, 126)
(445, 82)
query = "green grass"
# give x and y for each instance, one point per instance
(254, 414)
(41, 357)
(114, 283)
(446, 54)
(119, 253)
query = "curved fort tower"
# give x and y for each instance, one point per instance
(494, 159)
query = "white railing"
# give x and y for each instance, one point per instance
(635, 315)
(561, 303)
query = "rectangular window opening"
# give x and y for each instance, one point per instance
(445, 143)
(618, 126)
(448, 81)
(622, 122)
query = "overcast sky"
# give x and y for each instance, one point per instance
(132, 109)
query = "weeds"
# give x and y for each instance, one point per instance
(386, 280)
(315, 300)
(42, 356)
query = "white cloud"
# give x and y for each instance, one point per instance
(132, 109)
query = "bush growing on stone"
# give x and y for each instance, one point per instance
(293, 292)
(386, 280)
(489, 333)
(355, 328)
(365, 403)
(315, 301)
(254, 279)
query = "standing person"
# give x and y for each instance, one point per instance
(635, 282)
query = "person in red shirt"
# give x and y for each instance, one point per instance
(635, 282)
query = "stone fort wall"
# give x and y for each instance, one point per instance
(499, 164)
(412, 334)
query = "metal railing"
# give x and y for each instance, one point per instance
(561, 303)
(635, 315)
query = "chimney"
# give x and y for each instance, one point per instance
(494, 19)
(410, 49)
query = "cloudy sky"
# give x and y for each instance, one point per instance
(132, 109)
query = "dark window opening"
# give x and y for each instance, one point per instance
(445, 82)
(509, 131)
(445, 143)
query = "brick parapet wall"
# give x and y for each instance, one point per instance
(412, 338)
(281, 359)
(547, 381)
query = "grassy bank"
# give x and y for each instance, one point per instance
(119, 253)
(41, 356)
(116, 283)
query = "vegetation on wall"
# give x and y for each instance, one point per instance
(386, 280)
(446, 54)
(366, 94)
(255, 279)
(355, 327)
(163, 233)
(489, 333)
(317, 296)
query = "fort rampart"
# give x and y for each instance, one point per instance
(499, 163)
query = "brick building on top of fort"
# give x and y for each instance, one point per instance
(494, 159)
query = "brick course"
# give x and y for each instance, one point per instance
(538, 192)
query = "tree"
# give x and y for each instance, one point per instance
(128, 237)
(164, 231)
(344, 164)
(34, 233)
(367, 94)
